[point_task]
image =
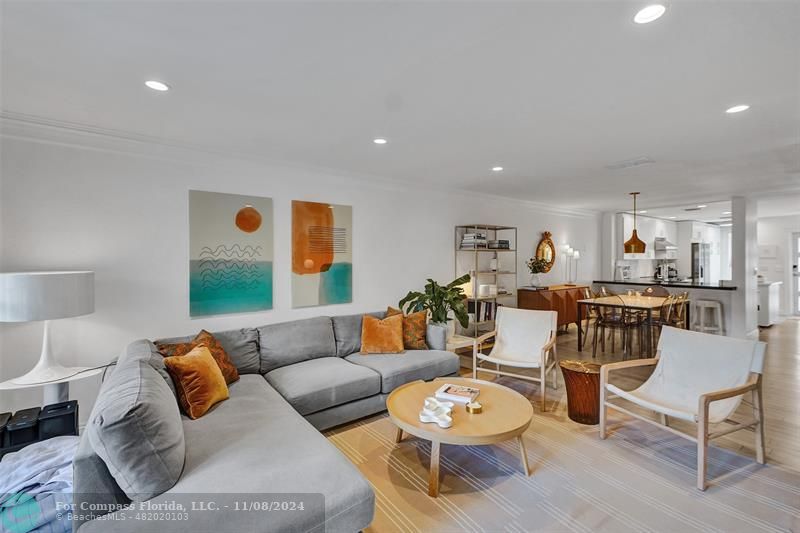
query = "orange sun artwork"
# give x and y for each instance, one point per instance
(248, 219)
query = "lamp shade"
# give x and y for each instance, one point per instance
(29, 296)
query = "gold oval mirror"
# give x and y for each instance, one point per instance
(546, 250)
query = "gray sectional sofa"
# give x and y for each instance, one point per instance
(297, 378)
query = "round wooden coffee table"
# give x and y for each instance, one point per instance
(506, 415)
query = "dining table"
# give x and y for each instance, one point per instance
(636, 302)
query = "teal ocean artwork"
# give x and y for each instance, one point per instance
(229, 286)
(230, 253)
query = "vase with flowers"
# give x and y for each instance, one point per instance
(536, 266)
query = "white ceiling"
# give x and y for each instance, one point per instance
(552, 91)
(716, 212)
(779, 206)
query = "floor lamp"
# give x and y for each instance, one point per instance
(46, 296)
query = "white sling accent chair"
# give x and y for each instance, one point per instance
(699, 378)
(523, 339)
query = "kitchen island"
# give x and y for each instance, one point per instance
(697, 291)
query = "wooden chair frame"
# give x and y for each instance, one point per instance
(704, 435)
(548, 364)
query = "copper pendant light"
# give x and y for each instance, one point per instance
(634, 245)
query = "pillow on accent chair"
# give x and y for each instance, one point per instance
(382, 336)
(414, 328)
(208, 340)
(198, 381)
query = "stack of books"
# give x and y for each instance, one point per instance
(500, 244)
(457, 393)
(473, 240)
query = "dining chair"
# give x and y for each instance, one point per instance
(678, 318)
(655, 290)
(662, 317)
(698, 378)
(591, 313)
(615, 319)
(523, 338)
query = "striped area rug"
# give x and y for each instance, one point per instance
(639, 479)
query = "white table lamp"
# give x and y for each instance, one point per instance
(576, 255)
(565, 252)
(34, 296)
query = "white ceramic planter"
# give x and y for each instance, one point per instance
(436, 336)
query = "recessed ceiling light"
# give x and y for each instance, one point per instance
(643, 211)
(701, 206)
(737, 108)
(672, 217)
(649, 14)
(380, 140)
(726, 212)
(157, 85)
(497, 169)
(725, 225)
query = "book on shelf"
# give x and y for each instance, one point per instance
(457, 393)
(482, 310)
(501, 244)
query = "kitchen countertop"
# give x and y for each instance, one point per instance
(553, 287)
(676, 284)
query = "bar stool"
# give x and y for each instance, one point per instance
(702, 309)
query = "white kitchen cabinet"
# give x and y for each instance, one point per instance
(769, 302)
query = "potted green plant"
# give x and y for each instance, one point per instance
(536, 265)
(439, 301)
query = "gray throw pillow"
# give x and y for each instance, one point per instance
(136, 429)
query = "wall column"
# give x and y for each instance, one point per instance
(744, 315)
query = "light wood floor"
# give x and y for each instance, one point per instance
(781, 382)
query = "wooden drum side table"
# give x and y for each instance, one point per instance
(506, 415)
(582, 381)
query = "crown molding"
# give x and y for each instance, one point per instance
(45, 130)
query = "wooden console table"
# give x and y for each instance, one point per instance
(560, 298)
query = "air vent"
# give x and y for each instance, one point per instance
(628, 163)
(692, 209)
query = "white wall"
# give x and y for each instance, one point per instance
(777, 231)
(118, 207)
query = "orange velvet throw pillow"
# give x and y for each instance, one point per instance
(382, 336)
(208, 340)
(198, 381)
(415, 327)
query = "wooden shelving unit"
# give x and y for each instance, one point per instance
(477, 261)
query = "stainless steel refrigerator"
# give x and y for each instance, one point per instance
(701, 261)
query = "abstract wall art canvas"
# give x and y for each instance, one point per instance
(322, 254)
(230, 263)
